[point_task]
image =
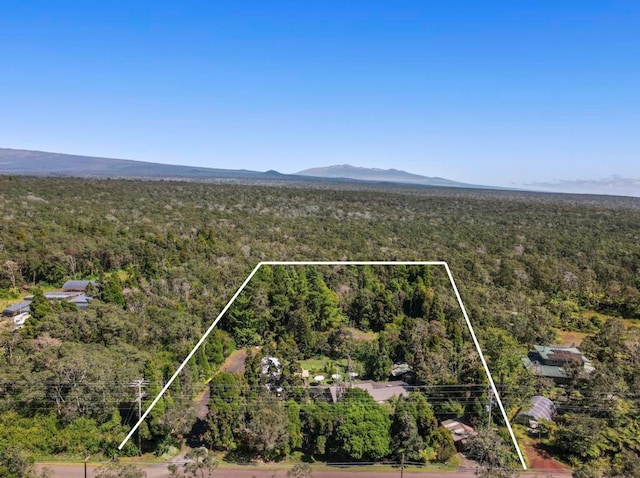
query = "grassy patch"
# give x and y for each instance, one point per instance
(361, 335)
(4, 303)
(568, 337)
(322, 365)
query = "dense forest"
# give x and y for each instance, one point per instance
(169, 255)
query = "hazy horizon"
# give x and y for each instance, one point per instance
(614, 185)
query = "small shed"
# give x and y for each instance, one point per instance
(460, 432)
(402, 371)
(17, 309)
(542, 409)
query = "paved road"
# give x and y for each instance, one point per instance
(160, 471)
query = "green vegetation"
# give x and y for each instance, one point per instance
(169, 255)
(15, 463)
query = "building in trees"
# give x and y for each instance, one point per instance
(78, 285)
(559, 363)
(16, 309)
(402, 371)
(79, 299)
(460, 432)
(380, 391)
(541, 409)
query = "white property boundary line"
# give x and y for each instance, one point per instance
(339, 263)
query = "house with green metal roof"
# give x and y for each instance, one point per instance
(556, 362)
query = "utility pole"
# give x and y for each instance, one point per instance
(139, 384)
(490, 406)
(402, 465)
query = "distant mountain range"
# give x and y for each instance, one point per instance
(39, 163)
(381, 175)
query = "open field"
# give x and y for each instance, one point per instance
(362, 335)
(569, 337)
(319, 364)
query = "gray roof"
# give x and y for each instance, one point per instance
(558, 354)
(561, 353)
(542, 409)
(61, 295)
(380, 392)
(80, 299)
(56, 295)
(17, 308)
(459, 431)
(77, 284)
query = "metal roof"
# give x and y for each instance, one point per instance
(535, 361)
(380, 392)
(77, 284)
(17, 308)
(561, 353)
(78, 298)
(459, 431)
(61, 295)
(542, 409)
(551, 371)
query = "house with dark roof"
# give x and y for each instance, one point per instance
(553, 361)
(16, 309)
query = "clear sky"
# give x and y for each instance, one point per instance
(485, 92)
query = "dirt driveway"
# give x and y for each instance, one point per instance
(235, 362)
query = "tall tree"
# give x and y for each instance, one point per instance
(266, 430)
(226, 407)
(201, 463)
(377, 358)
(406, 442)
(362, 432)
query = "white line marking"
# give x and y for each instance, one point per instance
(486, 367)
(338, 263)
(197, 346)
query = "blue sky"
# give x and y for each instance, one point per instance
(497, 93)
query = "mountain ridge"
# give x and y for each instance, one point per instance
(377, 174)
(42, 163)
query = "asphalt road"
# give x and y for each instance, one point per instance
(160, 471)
